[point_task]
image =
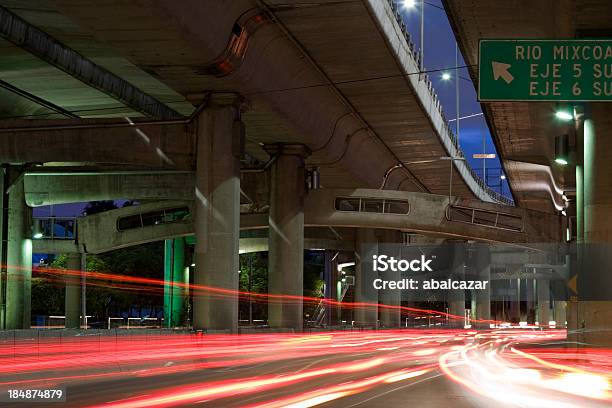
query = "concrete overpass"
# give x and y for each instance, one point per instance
(402, 211)
(524, 134)
(217, 94)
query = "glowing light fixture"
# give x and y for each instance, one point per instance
(37, 232)
(564, 112)
(564, 115)
(409, 3)
(503, 177)
(446, 76)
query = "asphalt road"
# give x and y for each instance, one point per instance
(420, 368)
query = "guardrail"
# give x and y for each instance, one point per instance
(485, 218)
(417, 55)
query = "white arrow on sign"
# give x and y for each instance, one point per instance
(500, 69)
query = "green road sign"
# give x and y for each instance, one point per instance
(545, 70)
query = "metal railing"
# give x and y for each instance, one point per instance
(417, 55)
(485, 218)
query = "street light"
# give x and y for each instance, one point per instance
(37, 231)
(409, 4)
(503, 177)
(564, 112)
(446, 76)
(564, 115)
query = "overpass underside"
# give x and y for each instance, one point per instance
(237, 116)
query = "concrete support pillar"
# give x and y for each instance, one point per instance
(286, 234)
(390, 317)
(84, 290)
(366, 246)
(332, 311)
(530, 304)
(72, 304)
(514, 306)
(456, 298)
(3, 239)
(577, 253)
(176, 282)
(19, 260)
(560, 312)
(483, 297)
(217, 215)
(543, 315)
(594, 308)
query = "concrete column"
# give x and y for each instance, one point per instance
(530, 305)
(577, 253)
(560, 312)
(286, 234)
(594, 308)
(3, 239)
(456, 298)
(390, 244)
(176, 282)
(19, 260)
(84, 290)
(332, 311)
(217, 215)
(72, 304)
(514, 307)
(366, 245)
(483, 297)
(543, 315)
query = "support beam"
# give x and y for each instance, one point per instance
(50, 50)
(51, 188)
(19, 260)
(72, 310)
(167, 145)
(176, 281)
(217, 215)
(286, 234)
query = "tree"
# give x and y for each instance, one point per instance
(95, 207)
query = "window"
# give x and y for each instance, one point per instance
(372, 205)
(396, 207)
(347, 204)
(151, 218)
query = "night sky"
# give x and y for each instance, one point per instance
(439, 54)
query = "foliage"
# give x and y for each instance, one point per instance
(95, 207)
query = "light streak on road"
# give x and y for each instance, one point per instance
(507, 367)
(510, 367)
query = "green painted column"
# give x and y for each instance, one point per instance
(19, 260)
(176, 281)
(594, 306)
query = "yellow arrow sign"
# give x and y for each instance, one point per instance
(572, 284)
